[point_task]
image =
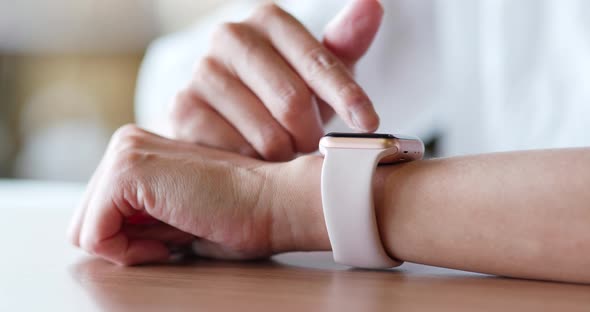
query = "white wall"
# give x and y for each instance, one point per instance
(92, 26)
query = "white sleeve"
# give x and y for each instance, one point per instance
(168, 63)
(401, 70)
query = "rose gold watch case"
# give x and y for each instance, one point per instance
(399, 148)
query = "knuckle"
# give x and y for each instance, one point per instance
(128, 137)
(228, 31)
(204, 67)
(127, 149)
(126, 131)
(267, 12)
(188, 117)
(182, 106)
(319, 61)
(236, 42)
(130, 166)
(211, 73)
(126, 159)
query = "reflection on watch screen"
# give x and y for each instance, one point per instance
(360, 135)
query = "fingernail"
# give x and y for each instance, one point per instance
(365, 118)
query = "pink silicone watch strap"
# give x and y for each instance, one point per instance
(347, 199)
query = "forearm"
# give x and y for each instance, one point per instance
(522, 214)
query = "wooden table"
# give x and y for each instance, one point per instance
(39, 271)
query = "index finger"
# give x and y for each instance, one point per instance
(325, 74)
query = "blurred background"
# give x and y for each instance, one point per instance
(67, 77)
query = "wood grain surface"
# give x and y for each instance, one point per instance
(39, 271)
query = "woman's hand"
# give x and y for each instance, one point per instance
(150, 194)
(267, 85)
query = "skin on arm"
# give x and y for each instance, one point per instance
(519, 214)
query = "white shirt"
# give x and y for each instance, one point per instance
(487, 75)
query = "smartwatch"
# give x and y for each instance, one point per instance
(350, 160)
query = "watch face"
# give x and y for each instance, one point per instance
(360, 135)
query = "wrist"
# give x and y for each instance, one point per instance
(296, 206)
(390, 184)
(295, 199)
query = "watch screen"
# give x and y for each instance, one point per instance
(360, 135)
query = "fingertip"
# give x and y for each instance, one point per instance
(364, 118)
(374, 124)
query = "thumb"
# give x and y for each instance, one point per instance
(351, 32)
